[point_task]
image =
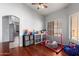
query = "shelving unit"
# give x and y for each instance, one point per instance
(43, 37)
(37, 38)
(27, 40)
(33, 39)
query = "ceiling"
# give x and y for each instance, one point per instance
(52, 7)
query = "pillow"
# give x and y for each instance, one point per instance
(72, 45)
(73, 40)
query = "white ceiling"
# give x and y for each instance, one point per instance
(52, 7)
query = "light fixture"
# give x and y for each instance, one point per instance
(40, 5)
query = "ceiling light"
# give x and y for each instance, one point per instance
(40, 5)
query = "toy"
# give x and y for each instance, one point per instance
(51, 44)
(25, 32)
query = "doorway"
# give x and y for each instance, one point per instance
(10, 32)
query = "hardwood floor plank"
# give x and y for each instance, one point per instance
(34, 50)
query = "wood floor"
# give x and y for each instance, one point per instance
(34, 50)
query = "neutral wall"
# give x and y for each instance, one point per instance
(63, 16)
(73, 8)
(29, 19)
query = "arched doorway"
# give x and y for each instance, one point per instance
(10, 33)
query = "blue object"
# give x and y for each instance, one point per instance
(71, 51)
(78, 48)
(33, 33)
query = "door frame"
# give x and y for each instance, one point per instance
(19, 26)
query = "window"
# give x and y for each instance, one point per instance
(54, 28)
(74, 27)
(50, 28)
